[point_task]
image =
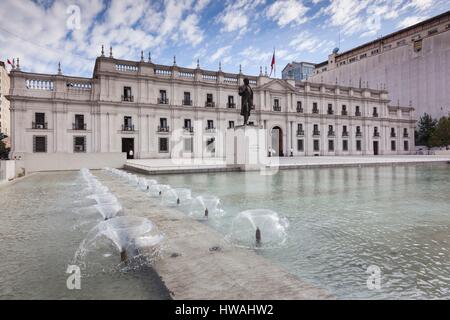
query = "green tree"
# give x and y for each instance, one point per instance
(441, 134)
(426, 127)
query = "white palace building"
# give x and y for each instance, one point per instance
(158, 111)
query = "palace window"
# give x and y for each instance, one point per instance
(406, 145)
(187, 99)
(188, 145)
(39, 143)
(357, 111)
(344, 110)
(209, 100)
(316, 145)
(358, 145)
(39, 121)
(300, 146)
(210, 124)
(163, 97)
(230, 124)
(79, 144)
(127, 124)
(163, 127)
(330, 108)
(315, 108)
(300, 131)
(231, 103)
(79, 122)
(345, 145)
(163, 145)
(276, 105)
(331, 145)
(210, 145)
(127, 96)
(299, 107)
(393, 146)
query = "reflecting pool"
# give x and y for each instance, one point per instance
(343, 221)
(43, 220)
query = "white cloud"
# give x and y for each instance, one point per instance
(409, 21)
(235, 16)
(219, 53)
(286, 12)
(306, 42)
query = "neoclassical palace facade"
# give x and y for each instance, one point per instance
(160, 111)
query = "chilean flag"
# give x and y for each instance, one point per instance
(10, 63)
(272, 64)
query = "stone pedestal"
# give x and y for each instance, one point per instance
(246, 147)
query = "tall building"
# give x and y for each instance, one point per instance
(298, 71)
(160, 111)
(4, 103)
(411, 64)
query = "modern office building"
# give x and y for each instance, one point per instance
(298, 71)
(4, 103)
(411, 64)
(160, 111)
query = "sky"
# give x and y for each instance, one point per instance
(241, 32)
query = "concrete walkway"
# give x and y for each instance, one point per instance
(162, 166)
(191, 269)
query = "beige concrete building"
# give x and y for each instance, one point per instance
(411, 64)
(159, 111)
(4, 103)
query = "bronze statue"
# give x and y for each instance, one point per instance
(246, 92)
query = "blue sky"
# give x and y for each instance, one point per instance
(43, 32)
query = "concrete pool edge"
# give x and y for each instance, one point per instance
(309, 163)
(199, 264)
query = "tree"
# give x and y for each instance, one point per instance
(3, 150)
(441, 134)
(426, 127)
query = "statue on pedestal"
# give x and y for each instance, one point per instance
(246, 92)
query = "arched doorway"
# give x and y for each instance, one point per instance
(277, 141)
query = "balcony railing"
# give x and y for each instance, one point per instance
(316, 133)
(187, 102)
(359, 134)
(300, 133)
(331, 134)
(210, 130)
(376, 134)
(358, 114)
(163, 101)
(344, 113)
(231, 105)
(315, 110)
(40, 125)
(128, 127)
(210, 104)
(345, 133)
(299, 110)
(393, 135)
(330, 112)
(163, 129)
(128, 98)
(375, 114)
(78, 126)
(405, 135)
(276, 108)
(188, 129)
